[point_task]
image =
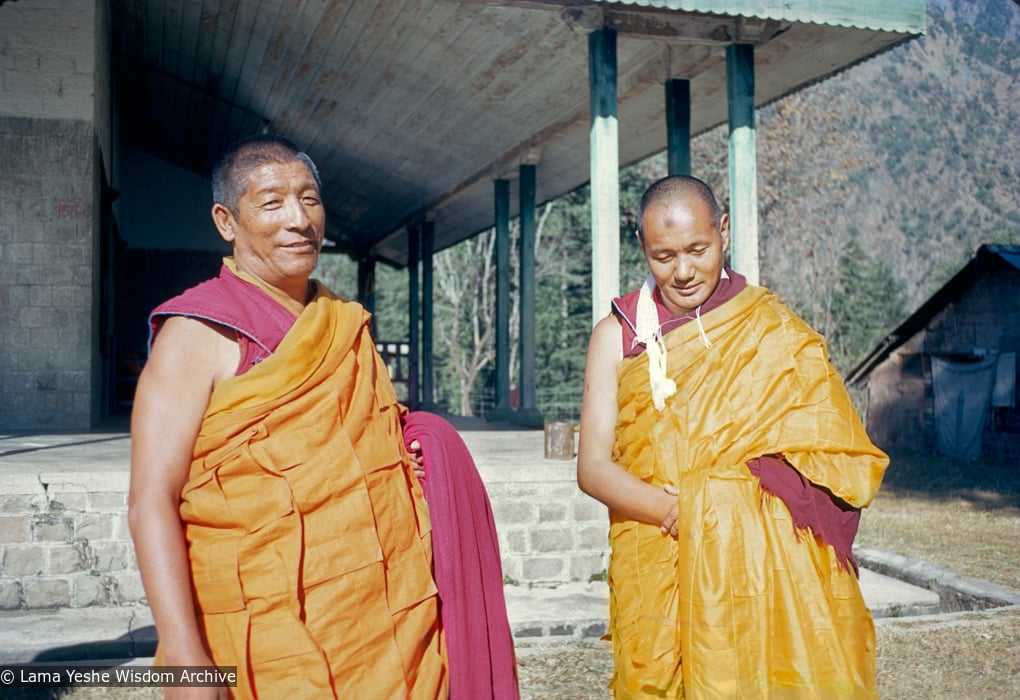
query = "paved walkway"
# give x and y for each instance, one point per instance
(567, 611)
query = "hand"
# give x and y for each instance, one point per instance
(669, 523)
(417, 459)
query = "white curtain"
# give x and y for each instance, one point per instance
(963, 393)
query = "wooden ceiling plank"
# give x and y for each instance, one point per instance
(404, 59)
(363, 69)
(330, 53)
(396, 89)
(289, 48)
(205, 41)
(151, 10)
(465, 90)
(250, 89)
(495, 103)
(241, 36)
(217, 61)
(188, 44)
(341, 66)
(302, 92)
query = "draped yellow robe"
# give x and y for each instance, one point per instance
(740, 605)
(308, 535)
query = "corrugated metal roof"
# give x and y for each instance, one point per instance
(882, 15)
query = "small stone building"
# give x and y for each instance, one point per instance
(945, 380)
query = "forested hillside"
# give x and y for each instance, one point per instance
(875, 186)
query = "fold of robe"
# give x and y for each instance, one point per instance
(467, 564)
(307, 532)
(741, 604)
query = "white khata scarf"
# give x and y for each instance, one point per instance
(649, 332)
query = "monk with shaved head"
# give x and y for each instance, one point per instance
(734, 467)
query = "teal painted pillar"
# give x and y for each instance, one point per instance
(528, 413)
(502, 205)
(742, 161)
(428, 245)
(366, 287)
(678, 126)
(413, 241)
(604, 151)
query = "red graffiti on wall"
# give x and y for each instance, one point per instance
(72, 208)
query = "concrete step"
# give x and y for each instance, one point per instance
(564, 612)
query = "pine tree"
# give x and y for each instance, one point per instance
(867, 303)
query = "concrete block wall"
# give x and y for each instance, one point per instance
(47, 263)
(48, 214)
(64, 541)
(549, 531)
(64, 538)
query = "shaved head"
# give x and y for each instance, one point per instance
(673, 188)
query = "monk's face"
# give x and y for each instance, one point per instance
(278, 229)
(685, 249)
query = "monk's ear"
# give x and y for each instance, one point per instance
(724, 232)
(224, 220)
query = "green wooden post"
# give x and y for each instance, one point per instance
(528, 413)
(366, 287)
(428, 245)
(742, 161)
(502, 203)
(678, 126)
(605, 172)
(412, 280)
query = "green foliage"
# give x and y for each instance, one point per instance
(866, 304)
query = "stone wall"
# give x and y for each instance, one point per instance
(64, 541)
(47, 263)
(64, 538)
(49, 214)
(549, 531)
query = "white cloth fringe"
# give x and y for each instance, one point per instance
(648, 332)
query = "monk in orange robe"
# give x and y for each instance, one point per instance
(734, 467)
(277, 520)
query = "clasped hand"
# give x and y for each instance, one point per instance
(669, 523)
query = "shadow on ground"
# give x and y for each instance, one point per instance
(987, 486)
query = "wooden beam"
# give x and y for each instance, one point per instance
(413, 243)
(677, 27)
(428, 237)
(605, 172)
(743, 171)
(526, 377)
(678, 126)
(366, 287)
(502, 204)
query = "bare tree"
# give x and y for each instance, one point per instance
(464, 322)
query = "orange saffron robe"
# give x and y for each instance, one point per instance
(740, 605)
(307, 532)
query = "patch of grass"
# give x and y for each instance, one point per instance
(962, 517)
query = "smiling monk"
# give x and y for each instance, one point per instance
(277, 520)
(734, 468)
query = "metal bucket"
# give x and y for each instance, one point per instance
(559, 440)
